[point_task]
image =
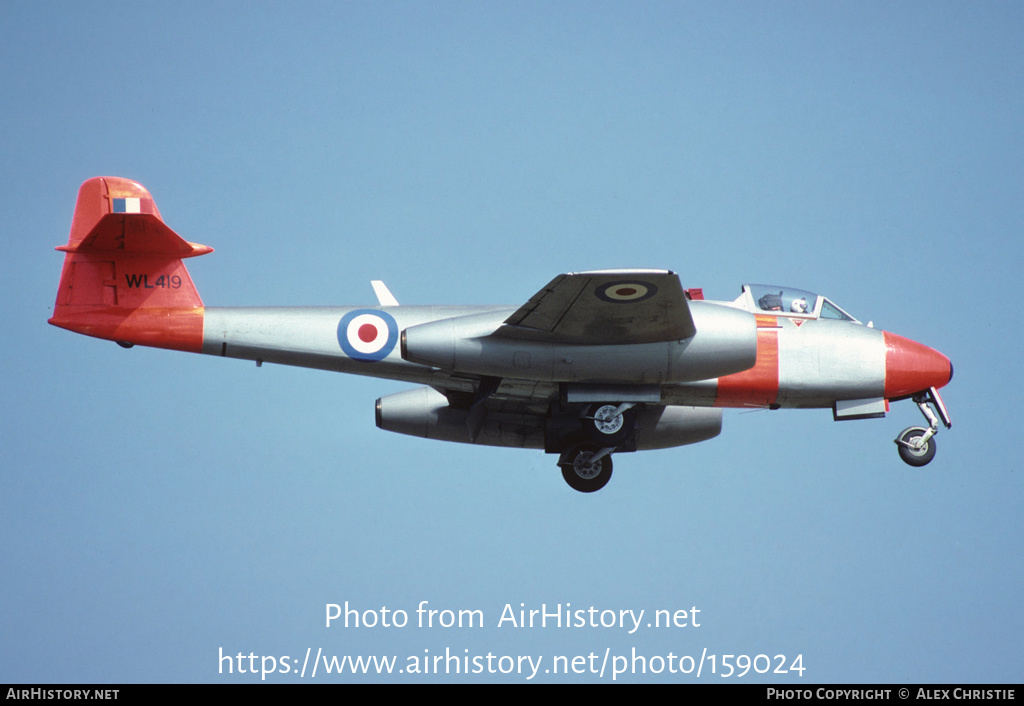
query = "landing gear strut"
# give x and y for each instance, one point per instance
(916, 445)
(604, 427)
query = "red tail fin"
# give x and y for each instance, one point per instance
(123, 277)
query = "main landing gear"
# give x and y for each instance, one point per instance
(586, 467)
(609, 424)
(586, 461)
(916, 444)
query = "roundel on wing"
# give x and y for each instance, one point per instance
(627, 291)
(367, 334)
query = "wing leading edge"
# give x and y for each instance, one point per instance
(605, 307)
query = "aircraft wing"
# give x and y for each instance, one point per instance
(604, 307)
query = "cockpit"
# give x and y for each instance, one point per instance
(772, 299)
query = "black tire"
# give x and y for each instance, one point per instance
(581, 474)
(605, 431)
(915, 457)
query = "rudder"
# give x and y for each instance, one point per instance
(123, 277)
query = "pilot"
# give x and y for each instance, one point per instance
(799, 306)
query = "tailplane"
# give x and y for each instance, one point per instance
(123, 277)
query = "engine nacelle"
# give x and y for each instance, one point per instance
(725, 343)
(425, 412)
(664, 427)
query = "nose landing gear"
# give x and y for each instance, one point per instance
(916, 445)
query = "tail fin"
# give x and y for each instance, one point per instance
(123, 277)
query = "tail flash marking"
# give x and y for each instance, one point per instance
(126, 205)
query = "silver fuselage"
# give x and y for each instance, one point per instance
(812, 364)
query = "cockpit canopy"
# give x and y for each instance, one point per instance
(772, 299)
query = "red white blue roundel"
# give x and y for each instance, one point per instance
(367, 334)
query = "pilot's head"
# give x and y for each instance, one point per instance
(799, 306)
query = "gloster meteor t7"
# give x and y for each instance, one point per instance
(595, 363)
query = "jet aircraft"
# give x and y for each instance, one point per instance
(595, 363)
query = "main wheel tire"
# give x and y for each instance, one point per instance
(912, 451)
(602, 426)
(585, 475)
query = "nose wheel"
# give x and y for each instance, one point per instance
(916, 445)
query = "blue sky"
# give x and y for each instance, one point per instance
(157, 508)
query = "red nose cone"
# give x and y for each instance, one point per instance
(911, 367)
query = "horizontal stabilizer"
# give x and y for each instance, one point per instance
(118, 215)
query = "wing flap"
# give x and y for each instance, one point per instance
(548, 307)
(608, 307)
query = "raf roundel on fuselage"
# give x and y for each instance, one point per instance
(367, 334)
